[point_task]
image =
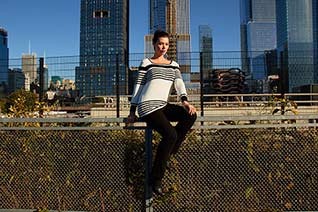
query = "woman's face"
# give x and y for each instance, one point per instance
(161, 46)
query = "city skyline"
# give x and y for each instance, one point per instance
(58, 35)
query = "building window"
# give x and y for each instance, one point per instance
(101, 14)
(97, 14)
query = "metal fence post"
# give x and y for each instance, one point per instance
(41, 81)
(117, 87)
(41, 85)
(148, 164)
(201, 85)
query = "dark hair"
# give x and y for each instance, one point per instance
(158, 34)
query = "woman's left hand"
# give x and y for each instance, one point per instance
(190, 107)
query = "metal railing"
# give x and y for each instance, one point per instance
(246, 163)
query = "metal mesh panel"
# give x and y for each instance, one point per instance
(66, 170)
(244, 170)
(215, 170)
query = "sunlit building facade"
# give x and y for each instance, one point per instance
(172, 16)
(30, 70)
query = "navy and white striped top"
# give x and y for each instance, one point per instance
(153, 86)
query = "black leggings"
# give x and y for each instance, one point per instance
(172, 137)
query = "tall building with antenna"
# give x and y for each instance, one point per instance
(172, 16)
(29, 69)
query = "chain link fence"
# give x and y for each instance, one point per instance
(219, 168)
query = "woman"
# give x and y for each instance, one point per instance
(155, 78)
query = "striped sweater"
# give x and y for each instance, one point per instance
(153, 86)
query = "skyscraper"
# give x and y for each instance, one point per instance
(258, 34)
(4, 58)
(103, 47)
(297, 42)
(29, 68)
(172, 16)
(206, 48)
(16, 80)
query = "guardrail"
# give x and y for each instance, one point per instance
(217, 100)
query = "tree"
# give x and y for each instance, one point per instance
(21, 104)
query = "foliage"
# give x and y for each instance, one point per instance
(282, 105)
(133, 162)
(21, 99)
(23, 104)
(41, 210)
(276, 105)
(134, 168)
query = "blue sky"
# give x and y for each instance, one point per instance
(52, 26)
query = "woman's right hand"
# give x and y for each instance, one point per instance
(131, 118)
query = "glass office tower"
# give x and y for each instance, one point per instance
(315, 38)
(172, 16)
(4, 59)
(297, 42)
(206, 48)
(258, 34)
(103, 47)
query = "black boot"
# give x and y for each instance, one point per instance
(168, 166)
(156, 188)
